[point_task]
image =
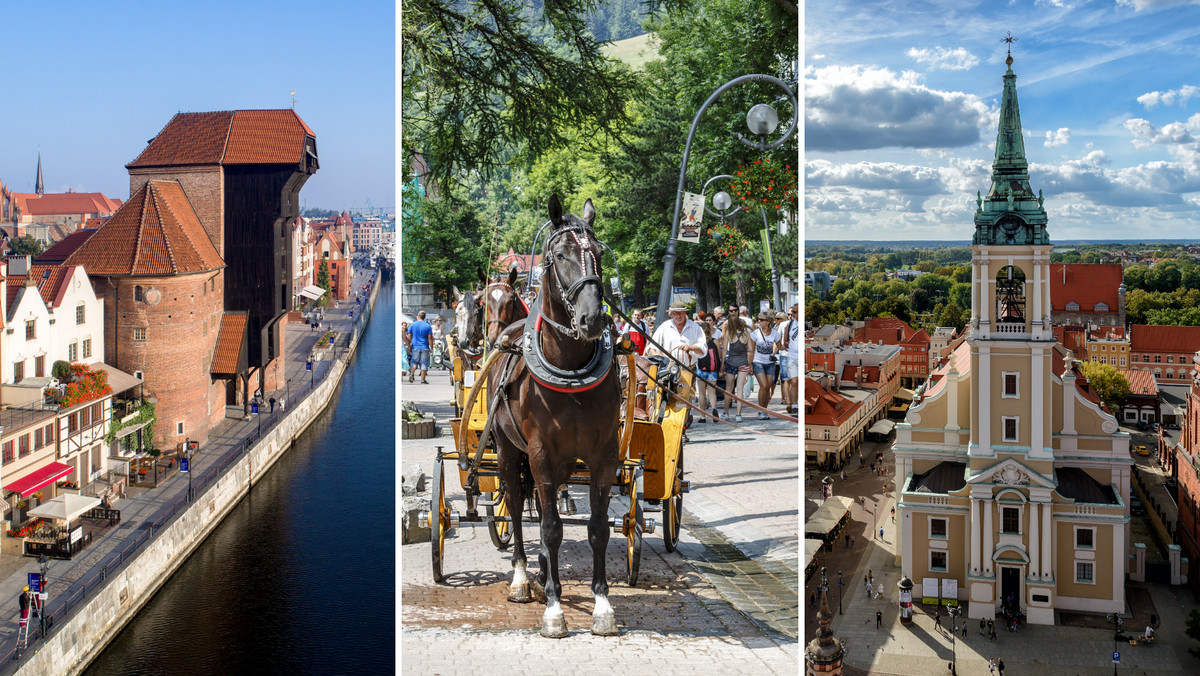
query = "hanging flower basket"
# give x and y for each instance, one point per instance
(763, 183)
(728, 240)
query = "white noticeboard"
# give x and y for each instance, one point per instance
(950, 590)
(77, 535)
(691, 217)
(929, 590)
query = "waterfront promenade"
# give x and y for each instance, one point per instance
(144, 512)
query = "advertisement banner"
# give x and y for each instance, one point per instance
(929, 590)
(693, 215)
(950, 591)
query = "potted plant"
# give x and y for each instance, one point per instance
(764, 184)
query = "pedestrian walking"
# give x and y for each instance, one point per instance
(964, 630)
(872, 468)
(991, 666)
(937, 618)
(847, 539)
(843, 475)
(851, 541)
(879, 620)
(1000, 665)
(982, 626)
(893, 515)
(272, 402)
(881, 532)
(868, 591)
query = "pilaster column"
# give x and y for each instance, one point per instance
(1037, 293)
(984, 402)
(1046, 568)
(988, 537)
(1037, 432)
(1034, 521)
(975, 536)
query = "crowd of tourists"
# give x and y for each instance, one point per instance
(751, 358)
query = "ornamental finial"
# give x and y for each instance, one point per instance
(1009, 39)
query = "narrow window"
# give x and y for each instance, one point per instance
(79, 314)
(139, 334)
(1010, 520)
(31, 329)
(137, 293)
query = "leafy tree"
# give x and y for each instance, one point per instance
(952, 315)
(1189, 276)
(1135, 277)
(314, 212)
(1174, 316)
(482, 75)
(25, 245)
(1109, 383)
(324, 282)
(448, 244)
(1164, 276)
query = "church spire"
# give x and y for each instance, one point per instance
(40, 186)
(1010, 213)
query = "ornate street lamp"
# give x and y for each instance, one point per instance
(761, 120)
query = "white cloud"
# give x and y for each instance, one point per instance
(1169, 97)
(818, 57)
(1143, 5)
(1057, 138)
(861, 107)
(940, 58)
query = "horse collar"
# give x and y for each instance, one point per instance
(564, 380)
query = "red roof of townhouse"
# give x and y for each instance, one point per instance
(1086, 284)
(65, 203)
(1107, 333)
(64, 248)
(155, 233)
(870, 374)
(1141, 382)
(1071, 337)
(890, 330)
(230, 339)
(822, 407)
(1176, 339)
(228, 137)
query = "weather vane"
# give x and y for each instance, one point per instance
(1009, 39)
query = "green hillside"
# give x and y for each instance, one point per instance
(634, 51)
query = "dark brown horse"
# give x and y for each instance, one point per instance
(502, 306)
(554, 421)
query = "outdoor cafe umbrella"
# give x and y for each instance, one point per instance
(66, 507)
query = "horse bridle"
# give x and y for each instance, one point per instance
(487, 325)
(587, 262)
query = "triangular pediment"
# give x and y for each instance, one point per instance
(1011, 472)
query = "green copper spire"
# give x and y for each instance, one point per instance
(1010, 214)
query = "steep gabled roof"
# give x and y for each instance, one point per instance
(1086, 284)
(155, 233)
(64, 203)
(822, 407)
(63, 250)
(228, 137)
(1141, 383)
(230, 340)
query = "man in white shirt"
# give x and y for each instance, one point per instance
(682, 337)
(791, 361)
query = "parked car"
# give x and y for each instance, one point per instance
(1141, 449)
(1156, 427)
(1135, 507)
(1142, 425)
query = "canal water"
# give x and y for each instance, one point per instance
(300, 577)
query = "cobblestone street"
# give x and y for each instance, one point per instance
(728, 595)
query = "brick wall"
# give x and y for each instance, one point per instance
(205, 188)
(181, 317)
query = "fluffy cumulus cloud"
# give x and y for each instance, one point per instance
(1146, 134)
(1143, 5)
(1169, 97)
(1057, 138)
(860, 107)
(940, 58)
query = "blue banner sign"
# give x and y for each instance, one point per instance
(183, 465)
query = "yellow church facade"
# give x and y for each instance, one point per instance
(1011, 477)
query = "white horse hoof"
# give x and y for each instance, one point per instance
(604, 625)
(554, 626)
(519, 594)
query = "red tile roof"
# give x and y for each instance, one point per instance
(822, 407)
(155, 233)
(228, 137)
(1164, 339)
(1107, 333)
(63, 250)
(850, 373)
(1141, 382)
(51, 282)
(228, 354)
(65, 203)
(1086, 284)
(1071, 337)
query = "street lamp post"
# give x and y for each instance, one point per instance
(44, 561)
(1118, 620)
(664, 292)
(840, 586)
(954, 612)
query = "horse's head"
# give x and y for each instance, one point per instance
(502, 306)
(468, 319)
(573, 260)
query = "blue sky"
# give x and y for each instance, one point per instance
(91, 82)
(902, 100)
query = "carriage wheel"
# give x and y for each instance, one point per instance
(634, 526)
(673, 511)
(438, 521)
(501, 531)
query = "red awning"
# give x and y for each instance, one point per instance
(38, 478)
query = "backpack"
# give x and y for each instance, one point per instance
(709, 361)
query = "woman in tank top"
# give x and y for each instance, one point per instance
(737, 346)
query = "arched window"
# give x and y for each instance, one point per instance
(137, 293)
(1010, 296)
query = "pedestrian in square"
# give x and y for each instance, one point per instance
(879, 620)
(964, 630)
(868, 591)
(847, 539)
(937, 618)
(852, 541)
(991, 666)
(982, 626)
(893, 515)
(1000, 665)
(881, 532)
